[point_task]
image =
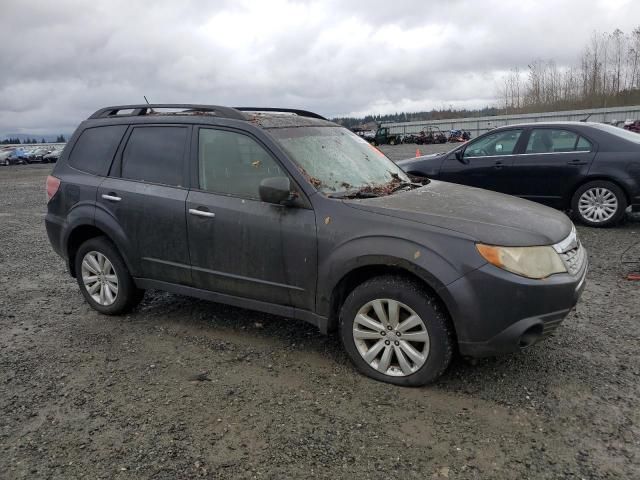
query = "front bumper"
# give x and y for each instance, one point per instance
(496, 312)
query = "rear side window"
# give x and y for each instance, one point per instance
(547, 140)
(155, 155)
(94, 150)
(584, 145)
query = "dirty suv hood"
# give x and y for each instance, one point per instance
(488, 217)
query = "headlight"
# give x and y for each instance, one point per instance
(531, 262)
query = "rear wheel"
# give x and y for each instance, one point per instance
(393, 331)
(599, 204)
(103, 277)
(392, 141)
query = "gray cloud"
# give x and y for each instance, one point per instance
(61, 60)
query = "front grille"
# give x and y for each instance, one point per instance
(573, 259)
(571, 252)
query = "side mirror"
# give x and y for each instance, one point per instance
(276, 190)
(460, 156)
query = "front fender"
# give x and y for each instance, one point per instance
(427, 264)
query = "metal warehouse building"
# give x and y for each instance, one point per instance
(480, 125)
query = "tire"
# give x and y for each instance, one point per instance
(392, 141)
(127, 295)
(607, 200)
(412, 299)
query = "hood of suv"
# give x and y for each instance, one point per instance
(488, 217)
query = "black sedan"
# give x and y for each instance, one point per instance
(592, 169)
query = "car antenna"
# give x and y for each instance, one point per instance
(145, 99)
(583, 120)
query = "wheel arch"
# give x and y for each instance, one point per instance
(596, 178)
(83, 232)
(358, 275)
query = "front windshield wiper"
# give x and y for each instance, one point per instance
(353, 194)
(402, 185)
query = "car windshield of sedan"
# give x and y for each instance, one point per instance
(339, 163)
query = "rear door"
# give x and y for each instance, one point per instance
(552, 164)
(238, 244)
(145, 194)
(485, 162)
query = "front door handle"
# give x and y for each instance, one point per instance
(201, 213)
(112, 197)
(498, 165)
(576, 162)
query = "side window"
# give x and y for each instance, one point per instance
(233, 164)
(155, 154)
(94, 150)
(499, 143)
(548, 140)
(584, 145)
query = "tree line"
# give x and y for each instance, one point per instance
(441, 114)
(30, 141)
(607, 74)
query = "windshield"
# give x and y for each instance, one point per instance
(335, 159)
(619, 132)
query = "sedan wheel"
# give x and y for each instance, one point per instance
(100, 278)
(599, 203)
(391, 337)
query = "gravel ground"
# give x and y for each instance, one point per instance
(183, 388)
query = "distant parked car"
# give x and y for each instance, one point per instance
(52, 156)
(4, 157)
(633, 126)
(17, 156)
(592, 169)
(37, 154)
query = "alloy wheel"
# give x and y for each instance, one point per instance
(598, 204)
(391, 337)
(99, 278)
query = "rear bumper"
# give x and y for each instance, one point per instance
(497, 312)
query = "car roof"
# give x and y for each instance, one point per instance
(264, 117)
(548, 124)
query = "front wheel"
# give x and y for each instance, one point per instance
(394, 331)
(103, 277)
(599, 204)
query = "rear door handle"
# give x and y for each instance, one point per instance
(112, 197)
(201, 213)
(576, 162)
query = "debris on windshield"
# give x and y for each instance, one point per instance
(316, 182)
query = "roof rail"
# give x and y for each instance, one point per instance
(145, 109)
(301, 113)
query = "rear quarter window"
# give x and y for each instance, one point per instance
(95, 149)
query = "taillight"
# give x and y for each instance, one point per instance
(53, 184)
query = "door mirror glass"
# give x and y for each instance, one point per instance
(276, 190)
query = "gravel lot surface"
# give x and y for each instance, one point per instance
(183, 388)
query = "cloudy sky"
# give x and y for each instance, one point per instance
(61, 60)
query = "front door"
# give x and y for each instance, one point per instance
(485, 162)
(238, 244)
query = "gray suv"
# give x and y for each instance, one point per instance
(284, 212)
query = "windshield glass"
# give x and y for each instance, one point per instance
(335, 159)
(620, 132)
